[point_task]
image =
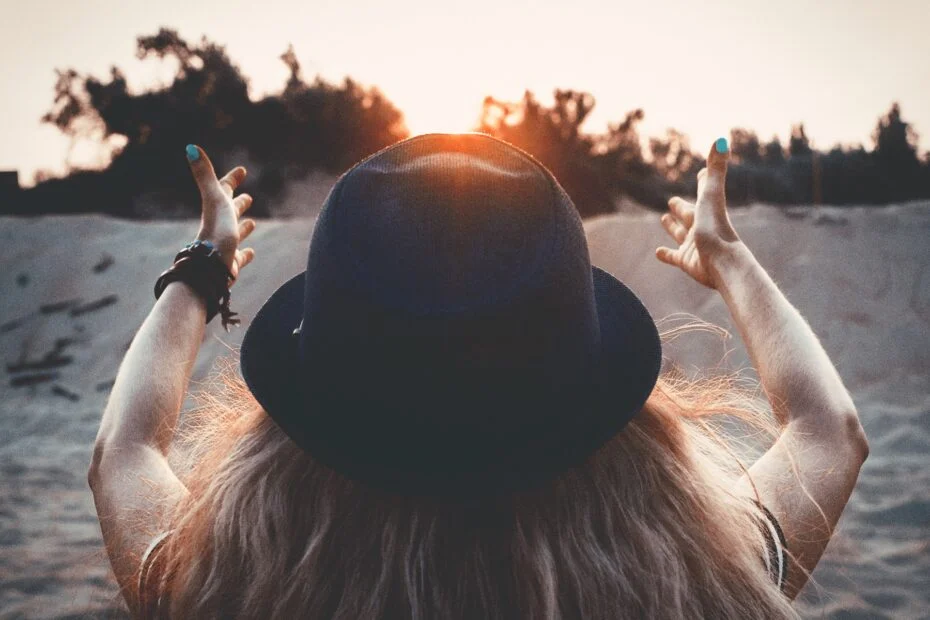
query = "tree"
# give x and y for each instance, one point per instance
(896, 156)
(316, 125)
(799, 145)
(773, 153)
(673, 158)
(554, 136)
(745, 147)
(306, 126)
(895, 139)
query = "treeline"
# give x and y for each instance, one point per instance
(315, 125)
(309, 125)
(596, 168)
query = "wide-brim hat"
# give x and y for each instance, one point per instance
(450, 335)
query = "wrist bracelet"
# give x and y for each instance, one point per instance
(200, 266)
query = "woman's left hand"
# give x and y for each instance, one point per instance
(219, 222)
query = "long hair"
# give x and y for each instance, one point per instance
(648, 527)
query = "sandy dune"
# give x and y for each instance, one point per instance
(75, 289)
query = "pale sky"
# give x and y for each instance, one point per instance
(702, 67)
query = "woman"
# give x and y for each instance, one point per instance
(451, 415)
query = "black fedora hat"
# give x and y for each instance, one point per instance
(450, 335)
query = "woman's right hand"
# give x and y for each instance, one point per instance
(220, 221)
(702, 230)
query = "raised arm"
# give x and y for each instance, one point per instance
(129, 474)
(807, 476)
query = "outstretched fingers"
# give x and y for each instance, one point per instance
(676, 223)
(205, 176)
(669, 256)
(231, 181)
(245, 229)
(242, 202)
(202, 169)
(683, 210)
(244, 257)
(674, 227)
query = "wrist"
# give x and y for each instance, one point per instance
(730, 262)
(224, 246)
(200, 267)
(185, 293)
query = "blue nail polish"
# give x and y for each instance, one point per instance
(721, 145)
(192, 153)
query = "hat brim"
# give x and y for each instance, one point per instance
(631, 356)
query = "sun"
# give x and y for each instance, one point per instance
(442, 115)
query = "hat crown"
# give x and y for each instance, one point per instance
(454, 337)
(461, 229)
(445, 224)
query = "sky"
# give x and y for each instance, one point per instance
(700, 67)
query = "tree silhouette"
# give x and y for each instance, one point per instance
(316, 125)
(899, 166)
(673, 158)
(554, 136)
(773, 153)
(799, 145)
(745, 147)
(307, 126)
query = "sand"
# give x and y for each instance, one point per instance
(75, 289)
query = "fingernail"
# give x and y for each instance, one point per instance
(192, 153)
(721, 145)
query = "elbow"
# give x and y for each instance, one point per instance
(862, 442)
(855, 436)
(93, 471)
(840, 433)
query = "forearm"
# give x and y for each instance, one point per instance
(149, 389)
(797, 375)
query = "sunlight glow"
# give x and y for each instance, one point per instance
(702, 68)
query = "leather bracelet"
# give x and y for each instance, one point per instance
(200, 266)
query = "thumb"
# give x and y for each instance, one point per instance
(202, 169)
(712, 183)
(718, 158)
